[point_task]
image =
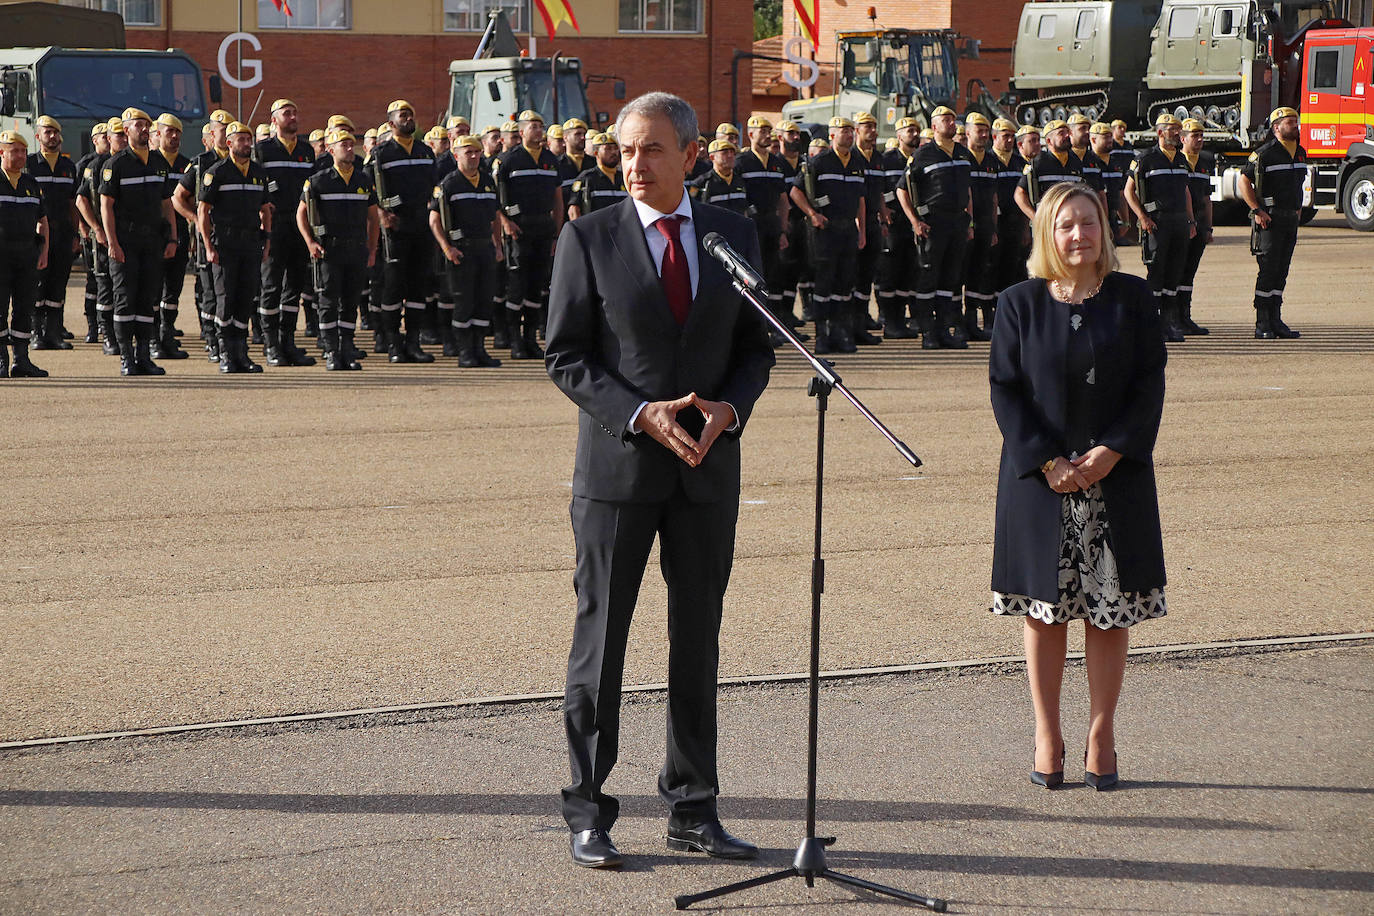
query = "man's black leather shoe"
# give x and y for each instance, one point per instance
(594, 849)
(711, 838)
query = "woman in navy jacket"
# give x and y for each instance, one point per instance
(1077, 374)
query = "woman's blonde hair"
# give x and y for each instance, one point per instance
(1045, 261)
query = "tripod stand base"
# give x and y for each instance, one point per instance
(809, 864)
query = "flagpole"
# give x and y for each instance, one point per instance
(238, 50)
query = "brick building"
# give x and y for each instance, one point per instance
(993, 22)
(354, 56)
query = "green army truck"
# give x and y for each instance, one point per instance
(894, 74)
(80, 86)
(1134, 59)
(497, 83)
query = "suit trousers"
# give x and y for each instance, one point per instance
(696, 550)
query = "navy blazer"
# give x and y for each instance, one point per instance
(612, 343)
(1026, 368)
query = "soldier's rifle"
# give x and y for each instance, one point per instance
(317, 229)
(389, 204)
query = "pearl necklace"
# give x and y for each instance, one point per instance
(1062, 296)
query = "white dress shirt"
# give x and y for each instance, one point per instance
(658, 246)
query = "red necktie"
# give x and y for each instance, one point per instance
(675, 277)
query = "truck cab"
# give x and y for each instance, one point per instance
(1336, 120)
(79, 87)
(496, 89)
(890, 73)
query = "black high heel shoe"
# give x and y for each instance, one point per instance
(1049, 780)
(1100, 781)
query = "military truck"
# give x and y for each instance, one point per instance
(1091, 56)
(497, 83)
(81, 86)
(893, 74)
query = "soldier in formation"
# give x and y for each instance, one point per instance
(23, 255)
(1271, 184)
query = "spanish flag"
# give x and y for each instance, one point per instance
(284, 6)
(809, 15)
(556, 11)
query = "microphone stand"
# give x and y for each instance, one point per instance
(809, 862)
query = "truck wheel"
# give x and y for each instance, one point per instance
(1358, 199)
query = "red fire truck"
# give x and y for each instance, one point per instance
(1336, 116)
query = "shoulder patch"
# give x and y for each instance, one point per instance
(1135, 163)
(107, 174)
(306, 186)
(1254, 157)
(209, 180)
(577, 185)
(437, 192)
(1026, 170)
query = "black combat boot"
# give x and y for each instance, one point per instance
(225, 351)
(971, 323)
(513, 334)
(414, 331)
(1264, 321)
(464, 342)
(47, 329)
(842, 328)
(452, 339)
(531, 319)
(92, 323)
(823, 342)
(1281, 330)
(20, 367)
(1185, 313)
(859, 320)
(349, 347)
(142, 353)
(214, 342)
(951, 329)
(894, 324)
(431, 333)
(1173, 331)
(166, 346)
(128, 360)
(500, 326)
(271, 340)
(245, 360)
(113, 339)
(288, 354)
(479, 348)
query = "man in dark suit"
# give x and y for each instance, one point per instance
(665, 362)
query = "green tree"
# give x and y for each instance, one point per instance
(767, 18)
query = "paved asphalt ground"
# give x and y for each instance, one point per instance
(200, 548)
(1248, 789)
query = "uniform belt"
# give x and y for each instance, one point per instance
(141, 230)
(233, 235)
(1283, 211)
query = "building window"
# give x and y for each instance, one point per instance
(135, 12)
(660, 15)
(472, 15)
(306, 14)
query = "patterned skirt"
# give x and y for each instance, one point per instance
(1089, 587)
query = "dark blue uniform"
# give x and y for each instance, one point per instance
(236, 196)
(138, 189)
(1161, 183)
(837, 188)
(1277, 176)
(21, 209)
(528, 191)
(405, 181)
(1200, 187)
(938, 182)
(339, 222)
(58, 180)
(285, 278)
(470, 207)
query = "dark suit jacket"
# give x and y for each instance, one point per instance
(612, 342)
(1029, 399)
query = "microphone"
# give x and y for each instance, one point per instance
(741, 270)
